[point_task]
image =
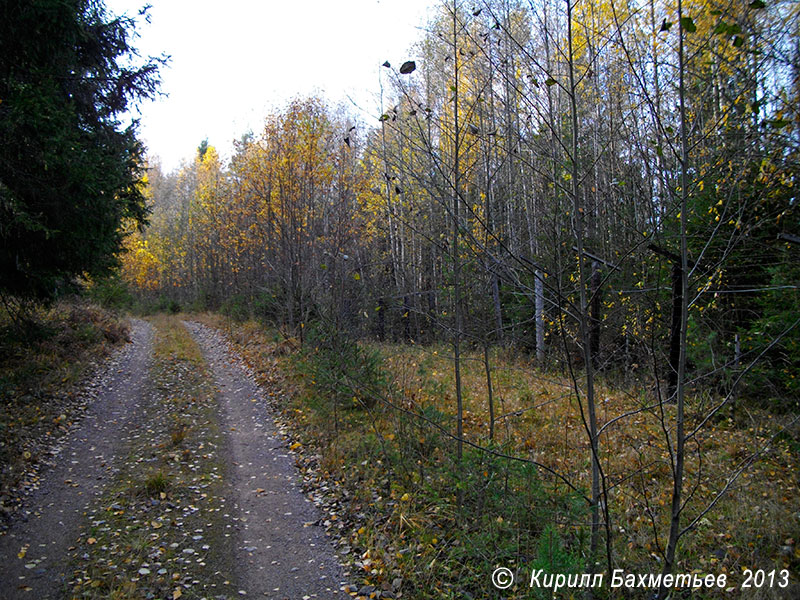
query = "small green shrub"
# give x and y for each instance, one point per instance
(340, 369)
(237, 307)
(268, 306)
(168, 305)
(554, 557)
(110, 292)
(155, 483)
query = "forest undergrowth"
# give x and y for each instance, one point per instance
(385, 446)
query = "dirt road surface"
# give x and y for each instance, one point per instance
(50, 521)
(282, 553)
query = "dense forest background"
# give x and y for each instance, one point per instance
(561, 179)
(563, 268)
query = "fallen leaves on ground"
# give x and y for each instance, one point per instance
(162, 529)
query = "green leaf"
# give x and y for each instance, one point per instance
(550, 81)
(726, 29)
(779, 123)
(757, 4)
(738, 41)
(384, 117)
(665, 25)
(688, 24)
(721, 29)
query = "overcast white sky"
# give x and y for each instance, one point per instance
(235, 60)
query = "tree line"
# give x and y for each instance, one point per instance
(534, 163)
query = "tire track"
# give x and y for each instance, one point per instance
(50, 521)
(280, 554)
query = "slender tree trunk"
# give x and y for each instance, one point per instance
(676, 327)
(498, 312)
(596, 316)
(554, 163)
(578, 216)
(680, 434)
(457, 325)
(538, 312)
(381, 319)
(489, 392)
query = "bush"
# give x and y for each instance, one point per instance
(110, 292)
(236, 307)
(269, 306)
(554, 557)
(773, 380)
(341, 370)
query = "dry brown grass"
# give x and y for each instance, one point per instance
(756, 524)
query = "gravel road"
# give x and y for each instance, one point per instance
(281, 553)
(279, 550)
(51, 518)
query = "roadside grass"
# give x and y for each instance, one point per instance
(40, 366)
(421, 523)
(755, 525)
(161, 529)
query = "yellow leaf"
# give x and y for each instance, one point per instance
(176, 593)
(156, 525)
(91, 541)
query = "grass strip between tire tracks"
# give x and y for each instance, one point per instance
(162, 529)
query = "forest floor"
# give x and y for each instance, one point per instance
(170, 480)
